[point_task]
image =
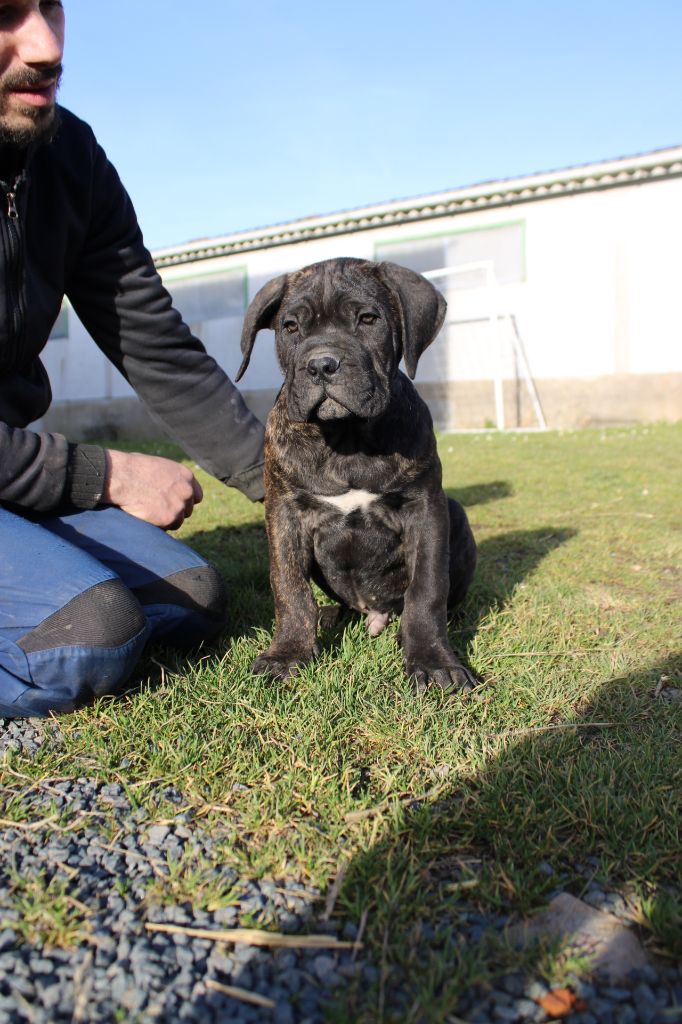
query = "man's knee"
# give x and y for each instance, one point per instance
(199, 589)
(105, 615)
(87, 648)
(192, 604)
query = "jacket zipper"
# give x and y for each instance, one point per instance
(14, 270)
(12, 211)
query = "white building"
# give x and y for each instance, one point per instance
(573, 276)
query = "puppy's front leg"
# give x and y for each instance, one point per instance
(294, 642)
(423, 625)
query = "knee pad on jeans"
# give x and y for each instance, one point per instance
(196, 600)
(199, 589)
(106, 615)
(88, 647)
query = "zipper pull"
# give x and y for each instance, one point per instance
(12, 211)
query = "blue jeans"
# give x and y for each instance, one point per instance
(81, 595)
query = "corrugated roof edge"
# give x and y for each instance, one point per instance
(633, 170)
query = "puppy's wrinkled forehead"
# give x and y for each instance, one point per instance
(324, 290)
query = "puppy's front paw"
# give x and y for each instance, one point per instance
(281, 663)
(453, 676)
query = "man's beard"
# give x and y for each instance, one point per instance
(38, 124)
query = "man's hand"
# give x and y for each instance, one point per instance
(160, 491)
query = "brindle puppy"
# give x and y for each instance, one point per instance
(353, 493)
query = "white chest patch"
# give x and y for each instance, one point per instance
(350, 501)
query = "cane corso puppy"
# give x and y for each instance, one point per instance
(353, 493)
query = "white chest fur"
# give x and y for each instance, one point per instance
(351, 501)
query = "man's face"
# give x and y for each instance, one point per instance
(31, 48)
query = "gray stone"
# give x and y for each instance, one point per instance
(23, 986)
(536, 989)
(324, 966)
(289, 922)
(527, 1009)
(157, 834)
(51, 996)
(285, 959)
(294, 981)
(503, 1013)
(135, 996)
(611, 947)
(602, 1010)
(41, 965)
(626, 1014)
(616, 995)
(226, 917)
(646, 1012)
(283, 1013)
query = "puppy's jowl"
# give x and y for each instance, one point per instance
(353, 493)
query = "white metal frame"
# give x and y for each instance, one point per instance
(495, 320)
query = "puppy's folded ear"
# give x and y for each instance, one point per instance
(260, 316)
(421, 307)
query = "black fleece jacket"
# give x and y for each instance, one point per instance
(67, 227)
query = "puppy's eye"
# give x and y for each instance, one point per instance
(291, 326)
(368, 318)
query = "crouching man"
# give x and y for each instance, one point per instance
(88, 575)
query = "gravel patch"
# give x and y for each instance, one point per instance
(96, 871)
(22, 735)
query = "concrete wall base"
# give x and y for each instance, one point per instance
(616, 400)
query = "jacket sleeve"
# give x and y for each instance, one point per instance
(32, 468)
(118, 295)
(41, 472)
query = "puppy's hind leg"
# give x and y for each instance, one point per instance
(462, 554)
(333, 616)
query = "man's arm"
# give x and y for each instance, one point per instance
(117, 293)
(41, 472)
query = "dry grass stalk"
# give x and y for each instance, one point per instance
(254, 937)
(241, 993)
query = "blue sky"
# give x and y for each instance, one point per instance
(223, 115)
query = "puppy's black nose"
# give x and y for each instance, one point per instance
(323, 366)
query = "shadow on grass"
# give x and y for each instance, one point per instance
(481, 494)
(504, 563)
(593, 795)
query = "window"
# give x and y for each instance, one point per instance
(213, 297)
(503, 245)
(213, 307)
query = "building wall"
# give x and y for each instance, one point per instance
(593, 288)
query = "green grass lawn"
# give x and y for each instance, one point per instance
(419, 805)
